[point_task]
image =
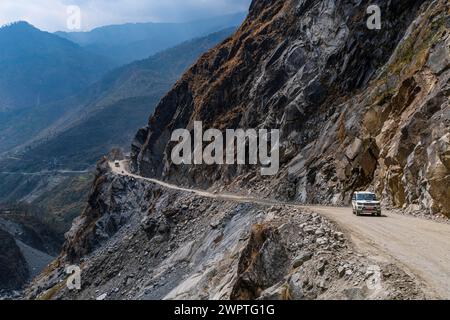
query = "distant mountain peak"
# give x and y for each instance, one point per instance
(18, 25)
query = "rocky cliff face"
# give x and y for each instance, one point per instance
(357, 108)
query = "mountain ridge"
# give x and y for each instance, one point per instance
(38, 69)
(25, 46)
(136, 41)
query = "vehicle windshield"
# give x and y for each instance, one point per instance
(366, 197)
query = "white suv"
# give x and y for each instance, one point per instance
(366, 202)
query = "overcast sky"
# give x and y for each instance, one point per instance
(51, 15)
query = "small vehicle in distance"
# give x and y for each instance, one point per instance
(366, 203)
(117, 164)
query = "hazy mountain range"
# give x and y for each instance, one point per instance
(45, 76)
(107, 114)
(134, 41)
(38, 67)
(63, 105)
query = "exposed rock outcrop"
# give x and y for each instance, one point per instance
(101, 219)
(263, 263)
(13, 267)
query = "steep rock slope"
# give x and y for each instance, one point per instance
(32, 231)
(13, 267)
(28, 244)
(357, 108)
(139, 240)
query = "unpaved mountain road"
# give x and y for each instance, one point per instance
(419, 246)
